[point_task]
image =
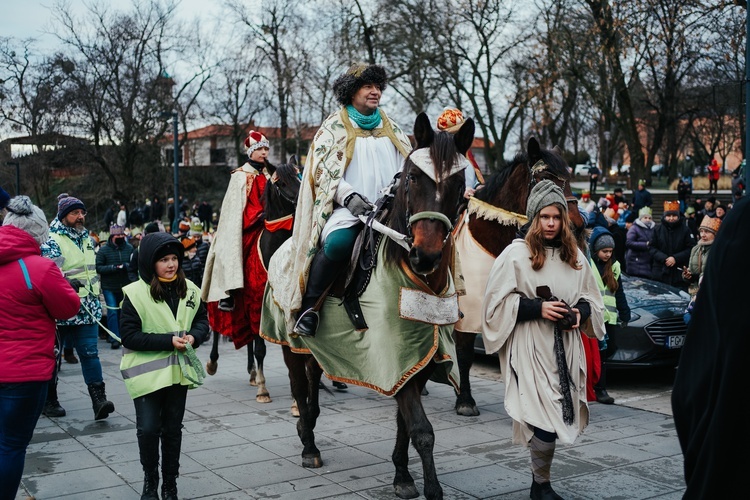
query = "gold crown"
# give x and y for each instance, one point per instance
(711, 223)
(671, 206)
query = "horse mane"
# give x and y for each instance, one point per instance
(496, 181)
(444, 154)
(286, 174)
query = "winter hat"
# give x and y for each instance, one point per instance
(4, 198)
(601, 240)
(355, 77)
(710, 224)
(255, 140)
(66, 204)
(184, 226)
(585, 196)
(450, 120)
(689, 210)
(151, 227)
(645, 211)
(671, 208)
(543, 194)
(25, 215)
(171, 248)
(642, 182)
(116, 230)
(188, 243)
(196, 227)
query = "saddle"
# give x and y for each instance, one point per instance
(350, 285)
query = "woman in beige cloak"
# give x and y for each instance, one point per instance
(543, 366)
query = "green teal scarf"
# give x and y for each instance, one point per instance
(367, 122)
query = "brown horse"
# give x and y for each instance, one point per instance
(279, 200)
(425, 204)
(489, 224)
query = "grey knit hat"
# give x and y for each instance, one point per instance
(604, 241)
(544, 194)
(25, 215)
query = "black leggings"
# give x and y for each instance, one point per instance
(158, 415)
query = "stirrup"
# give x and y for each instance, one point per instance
(300, 333)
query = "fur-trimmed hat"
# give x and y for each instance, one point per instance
(255, 140)
(23, 214)
(355, 77)
(671, 208)
(66, 204)
(710, 224)
(450, 120)
(544, 194)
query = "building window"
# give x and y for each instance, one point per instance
(169, 156)
(218, 156)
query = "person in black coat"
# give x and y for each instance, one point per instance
(670, 247)
(710, 381)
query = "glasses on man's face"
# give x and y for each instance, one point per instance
(78, 213)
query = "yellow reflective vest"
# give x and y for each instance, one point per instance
(610, 303)
(79, 264)
(145, 372)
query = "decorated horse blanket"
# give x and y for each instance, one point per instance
(409, 326)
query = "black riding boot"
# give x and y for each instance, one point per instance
(52, 406)
(323, 272)
(102, 407)
(600, 388)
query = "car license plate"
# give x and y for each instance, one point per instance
(675, 341)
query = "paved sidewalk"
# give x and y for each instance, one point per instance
(235, 448)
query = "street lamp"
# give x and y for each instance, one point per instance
(18, 175)
(606, 151)
(175, 153)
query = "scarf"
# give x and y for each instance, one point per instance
(562, 369)
(366, 122)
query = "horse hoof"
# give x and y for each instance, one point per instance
(406, 490)
(467, 410)
(295, 410)
(263, 398)
(211, 367)
(313, 462)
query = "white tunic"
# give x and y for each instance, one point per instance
(374, 163)
(527, 355)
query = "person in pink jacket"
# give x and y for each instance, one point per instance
(35, 294)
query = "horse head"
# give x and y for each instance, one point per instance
(280, 195)
(429, 193)
(550, 164)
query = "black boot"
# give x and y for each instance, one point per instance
(323, 272)
(543, 491)
(600, 388)
(102, 407)
(150, 485)
(52, 406)
(169, 488)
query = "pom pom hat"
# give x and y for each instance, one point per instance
(255, 140)
(25, 215)
(66, 204)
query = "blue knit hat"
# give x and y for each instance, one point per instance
(4, 198)
(66, 204)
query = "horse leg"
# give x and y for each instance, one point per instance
(465, 404)
(251, 364)
(403, 483)
(260, 354)
(301, 392)
(419, 430)
(213, 360)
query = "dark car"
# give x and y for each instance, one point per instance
(656, 332)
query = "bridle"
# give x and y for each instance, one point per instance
(280, 192)
(427, 215)
(541, 167)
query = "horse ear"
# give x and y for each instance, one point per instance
(533, 150)
(558, 150)
(465, 136)
(293, 161)
(423, 132)
(270, 167)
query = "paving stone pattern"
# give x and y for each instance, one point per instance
(236, 448)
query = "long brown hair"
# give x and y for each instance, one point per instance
(608, 278)
(536, 241)
(159, 291)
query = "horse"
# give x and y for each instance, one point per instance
(490, 222)
(279, 200)
(425, 205)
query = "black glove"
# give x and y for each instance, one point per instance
(357, 204)
(76, 284)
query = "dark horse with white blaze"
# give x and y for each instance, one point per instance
(490, 222)
(410, 305)
(279, 200)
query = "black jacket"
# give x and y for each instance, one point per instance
(671, 240)
(109, 258)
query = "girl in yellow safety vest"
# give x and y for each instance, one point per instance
(161, 314)
(607, 273)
